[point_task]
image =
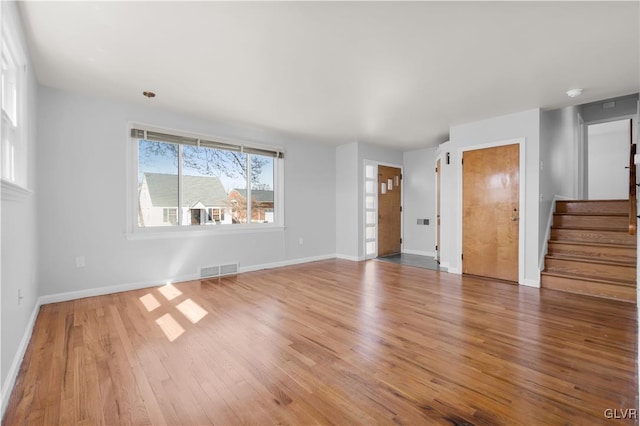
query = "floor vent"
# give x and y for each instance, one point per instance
(218, 270)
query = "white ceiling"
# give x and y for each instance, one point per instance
(390, 73)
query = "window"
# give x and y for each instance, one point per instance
(370, 209)
(191, 182)
(12, 147)
(216, 215)
(170, 216)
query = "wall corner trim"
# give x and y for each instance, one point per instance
(531, 283)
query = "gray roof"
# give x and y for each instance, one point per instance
(163, 190)
(258, 195)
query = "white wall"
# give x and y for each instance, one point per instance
(19, 224)
(525, 125)
(82, 186)
(419, 201)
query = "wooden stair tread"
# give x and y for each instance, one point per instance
(591, 214)
(591, 251)
(593, 201)
(594, 243)
(623, 283)
(583, 259)
(584, 228)
(586, 242)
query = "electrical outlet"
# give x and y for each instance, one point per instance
(300, 241)
(79, 261)
(20, 296)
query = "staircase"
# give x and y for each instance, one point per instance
(591, 251)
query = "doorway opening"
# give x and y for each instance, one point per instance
(382, 209)
(607, 160)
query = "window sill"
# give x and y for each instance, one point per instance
(13, 192)
(156, 234)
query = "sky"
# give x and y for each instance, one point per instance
(167, 162)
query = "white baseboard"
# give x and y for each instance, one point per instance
(545, 244)
(456, 271)
(351, 258)
(12, 374)
(420, 252)
(100, 291)
(286, 263)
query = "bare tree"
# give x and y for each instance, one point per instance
(207, 161)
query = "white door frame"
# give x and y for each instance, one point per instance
(364, 209)
(522, 206)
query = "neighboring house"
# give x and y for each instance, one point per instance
(204, 201)
(261, 205)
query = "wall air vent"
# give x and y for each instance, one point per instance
(218, 270)
(209, 271)
(229, 269)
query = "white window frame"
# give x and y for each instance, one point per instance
(14, 173)
(169, 210)
(376, 164)
(373, 254)
(134, 231)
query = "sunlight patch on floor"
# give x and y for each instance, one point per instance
(170, 327)
(150, 302)
(169, 291)
(191, 310)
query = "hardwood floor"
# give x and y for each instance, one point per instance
(331, 342)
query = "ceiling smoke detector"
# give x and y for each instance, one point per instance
(574, 92)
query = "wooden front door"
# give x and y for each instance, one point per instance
(490, 208)
(389, 210)
(438, 211)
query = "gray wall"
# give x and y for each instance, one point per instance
(558, 162)
(419, 201)
(347, 201)
(625, 106)
(19, 274)
(82, 180)
(19, 222)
